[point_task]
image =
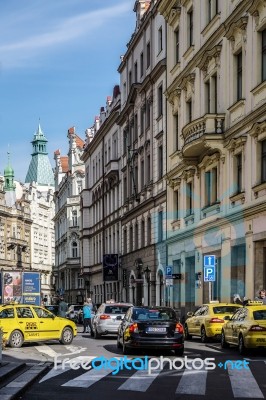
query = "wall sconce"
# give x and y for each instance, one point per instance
(139, 264)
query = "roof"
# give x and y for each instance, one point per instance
(40, 170)
(79, 142)
(64, 163)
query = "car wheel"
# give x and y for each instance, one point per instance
(241, 345)
(187, 335)
(203, 336)
(96, 334)
(118, 344)
(179, 352)
(16, 339)
(126, 350)
(67, 336)
(224, 344)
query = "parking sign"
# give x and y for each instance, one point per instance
(209, 273)
(169, 270)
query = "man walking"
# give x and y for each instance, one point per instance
(63, 308)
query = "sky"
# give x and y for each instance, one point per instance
(58, 64)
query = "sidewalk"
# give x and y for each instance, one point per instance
(15, 377)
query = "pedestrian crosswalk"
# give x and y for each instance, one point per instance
(242, 383)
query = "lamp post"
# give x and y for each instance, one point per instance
(147, 272)
(132, 282)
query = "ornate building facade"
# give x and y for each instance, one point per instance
(216, 141)
(69, 182)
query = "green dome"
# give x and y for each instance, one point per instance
(8, 171)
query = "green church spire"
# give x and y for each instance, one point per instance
(9, 176)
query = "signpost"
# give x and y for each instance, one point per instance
(209, 272)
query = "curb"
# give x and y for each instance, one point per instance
(13, 389)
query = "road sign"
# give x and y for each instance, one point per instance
(209, 273)
(169, 282)
(169, 270)
(209, 261)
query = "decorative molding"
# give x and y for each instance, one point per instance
(258, 131)
(235, 29)
(236, 145)
(258, 12)
(208, 55)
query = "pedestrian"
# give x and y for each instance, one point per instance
(87, 317)
(262, 296)
(63, 308)
(91, 305)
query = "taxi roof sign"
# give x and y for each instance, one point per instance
(254, 303)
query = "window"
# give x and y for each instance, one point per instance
(74, 218)
(74, 250)
(263, 161)
(210, 187)
(189, 111)
(149, 231)
(125, 187)
(239, 76)
(176, 131)
(148, 168)
(190, 27)
(176, 205)
(160, 226)
(141, 65)
(131, 238)
(211, 95)
(142, 174)
(136, 72)
(160, 39)
(189, 198)
(148, 115)
(160, 162)
(135, 126)
(129, 79)
(177, 46)
(212, 9)
(160, 101)
(142, 233)
(136, 178)
(239, 173)
(136, 237)
(142, 120)
(24, 312)
(263, 51)
(148, 55)
(125, 241)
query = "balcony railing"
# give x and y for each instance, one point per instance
(207, 125)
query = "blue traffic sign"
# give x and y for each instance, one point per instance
(209, 273)
(168, 270)
(209, 261)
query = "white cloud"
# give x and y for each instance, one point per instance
(22, 50)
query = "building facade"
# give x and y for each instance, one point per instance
(39, 183)
(142, 122)
(69, 182)
(216, 91)
(101, 204)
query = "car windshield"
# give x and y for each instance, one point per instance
(114, 309)
(153, 314)
(225, 309)
(259, 315)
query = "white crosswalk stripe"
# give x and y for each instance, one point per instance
(189, 382)
(244, 384)
(192, 382)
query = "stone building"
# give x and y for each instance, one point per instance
(216, 146)
(69, 182)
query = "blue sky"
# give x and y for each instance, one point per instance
(58, 62)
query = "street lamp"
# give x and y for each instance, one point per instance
(147, 272)
(132, 282)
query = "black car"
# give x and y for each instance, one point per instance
(151, 328)
(53, 308)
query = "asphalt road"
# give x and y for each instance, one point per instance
(241, 378)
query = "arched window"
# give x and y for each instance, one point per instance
(74, 249)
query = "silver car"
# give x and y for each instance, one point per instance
(108, 318)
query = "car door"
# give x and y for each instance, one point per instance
(238, 325)
(49, 325)
(196, 321)
(27, 322)
(125, 324)
(8, 322)
(231, 327)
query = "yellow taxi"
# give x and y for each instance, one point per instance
(29, 323)
(207, 321)
(246, 328)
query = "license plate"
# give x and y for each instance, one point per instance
(151, 329)
(261, 340)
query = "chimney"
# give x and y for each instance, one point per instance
(141, 6)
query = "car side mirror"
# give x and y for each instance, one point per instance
(190, 314)
(119, 318)
(227, 318)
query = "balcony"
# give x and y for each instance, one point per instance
(202, 133)
(13, 242)
(111, 169)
